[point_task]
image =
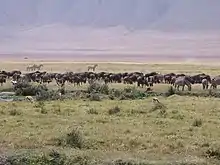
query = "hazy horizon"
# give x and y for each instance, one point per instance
(110, 26)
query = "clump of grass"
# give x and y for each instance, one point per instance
(57, 108)
(92, 111)
(176, 115)
(114, 110)
(132, 93)
(213, 153)
(134, 143)
(43, 158)
(96, 87)
(2, 112)
(159, 106)
(41, 106)
(14, 112)
(197, 123)
(25, 88)
(94, 97)
(171, 91)
(72, 139)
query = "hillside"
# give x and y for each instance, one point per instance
(153, 26)
(130, 13)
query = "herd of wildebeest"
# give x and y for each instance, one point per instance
(139, 78)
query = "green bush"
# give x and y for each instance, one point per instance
(72, 139)
(51, 158)
(27, 89)
(94, 97)
(44, 95)
(96, 87)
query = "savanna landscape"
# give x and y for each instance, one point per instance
(109, 82)
(109, 123)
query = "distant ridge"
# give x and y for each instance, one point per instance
(137, 14)
(171, 27)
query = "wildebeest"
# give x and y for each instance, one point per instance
(205, 84)
(215, 82)
(182, 81)
(2, 79)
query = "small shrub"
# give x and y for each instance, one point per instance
(134, 143)
(43, 111)
(51, 158)
(197, 123)
(116, 93)
(104, 89)
(74, 139)
(57, 109)
(14, 112)
(27, 89)
(114, 110)
(96, 87)
(213, 153)
(178, 116)
(13, 109)
(41, 106)
(47, 95)
(158, 106)
(92, 111)
(133, 93)
(94, 97)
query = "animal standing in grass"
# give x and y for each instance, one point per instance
(38, 67)
(34, 67)
(205, 84)
(2, 79)
(215, 82)
(30, 68)
(182, 81)
(92, 67)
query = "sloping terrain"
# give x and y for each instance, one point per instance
(103, 26)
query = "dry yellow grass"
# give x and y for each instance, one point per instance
(62, 66)
(187, 129)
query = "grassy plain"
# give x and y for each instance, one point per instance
(139, 132)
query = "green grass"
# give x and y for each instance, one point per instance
(134, 132)
(183, 129)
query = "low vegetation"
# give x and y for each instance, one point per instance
(110, 125)
(92, 132)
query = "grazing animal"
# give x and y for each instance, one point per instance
(38, 67)
(30, 68)
(2, 79)
(215, 82)
(92, 67)
(205, 84)
(182, 81)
